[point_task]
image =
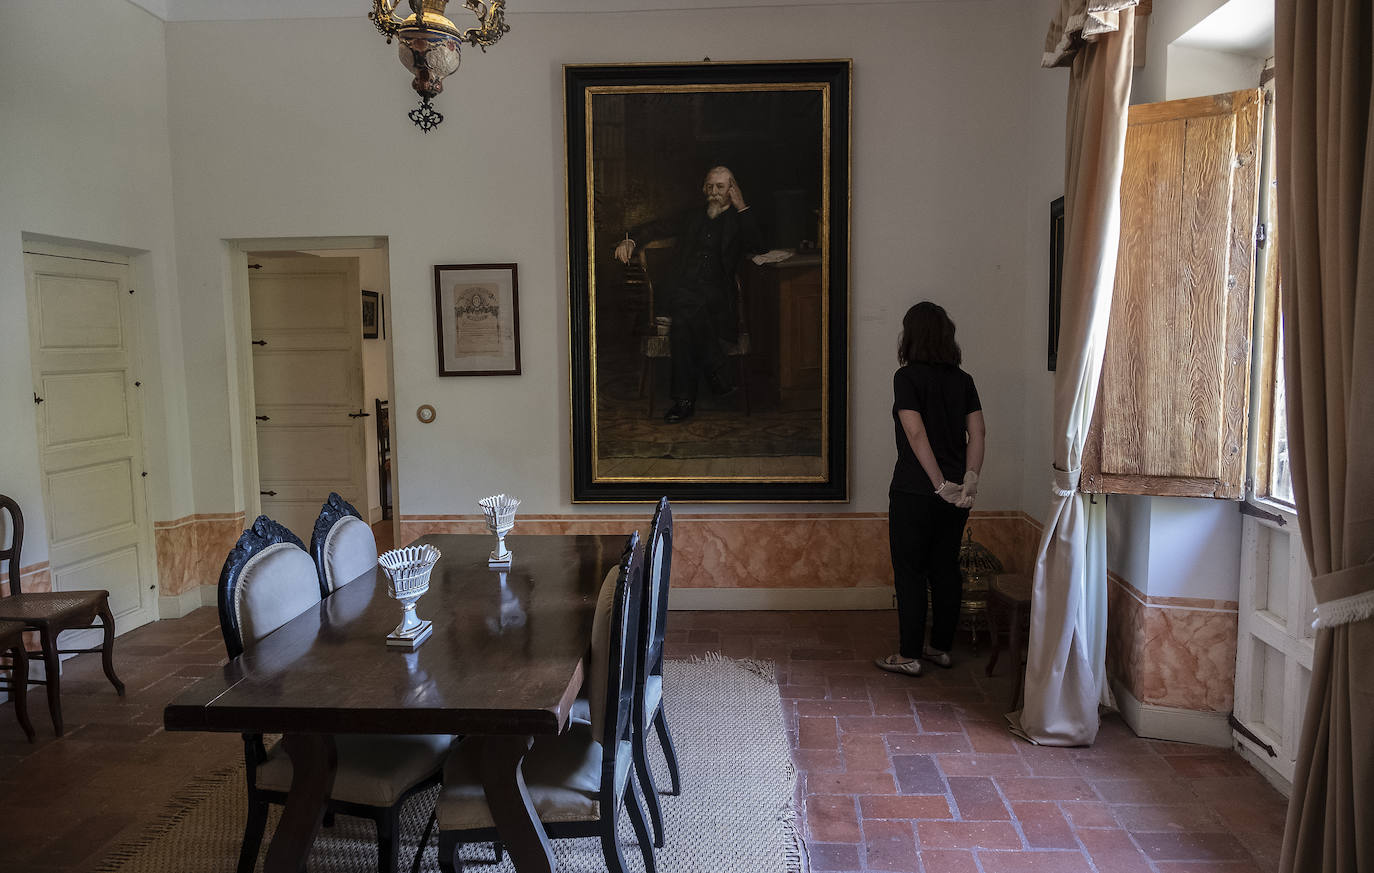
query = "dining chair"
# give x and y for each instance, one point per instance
(12, 646)
(649, 707)
(579, 779)
(267, 580)
(342, 544)
(49, 613)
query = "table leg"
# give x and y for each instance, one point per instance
(313, 762)
(496, 760)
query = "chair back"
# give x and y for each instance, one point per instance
(11, 554)
(658, 563)
(268, 579)
(615, 633)
(342, 544)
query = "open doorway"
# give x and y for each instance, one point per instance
(320, 380)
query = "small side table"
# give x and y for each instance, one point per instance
(1009, 600)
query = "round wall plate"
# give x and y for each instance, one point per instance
(426, 414)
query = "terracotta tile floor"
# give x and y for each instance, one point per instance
(895, 773)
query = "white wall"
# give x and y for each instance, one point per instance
(1199, 72)
(86, 158)
(310, 138)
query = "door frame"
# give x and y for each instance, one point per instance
(243, 424)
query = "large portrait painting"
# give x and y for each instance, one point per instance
(708, 228)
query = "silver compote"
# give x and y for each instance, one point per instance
(407, 573)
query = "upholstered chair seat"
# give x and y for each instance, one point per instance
(372, 770)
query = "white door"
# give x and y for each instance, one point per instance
(306, 315)
(84, 345)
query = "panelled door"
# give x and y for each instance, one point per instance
(83, 341)
(306, 315)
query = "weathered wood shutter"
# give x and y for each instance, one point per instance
(1173, 402)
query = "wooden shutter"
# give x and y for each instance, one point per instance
(1173, 402)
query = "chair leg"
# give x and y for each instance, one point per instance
(499, 851)
(610, 846)
(646, 784)
(107, 647)
(665, 740)
(252, 836)
(646, 847)
(388, 846)
(328, 820)
(448, 853)
(52, 670)
(424, 840)
(19, 688)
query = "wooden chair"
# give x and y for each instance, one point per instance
(342, 544)
(49, 613)
(269, 579)
(650, 261)
(578, 780)
(649, 701)
(1009, 602)
(12, 646)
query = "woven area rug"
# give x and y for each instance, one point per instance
(735, 812)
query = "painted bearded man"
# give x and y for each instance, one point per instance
(701, 288)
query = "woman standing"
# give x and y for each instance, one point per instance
(940, 440)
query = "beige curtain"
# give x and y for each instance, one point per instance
(1323, 51)
(1065, 670)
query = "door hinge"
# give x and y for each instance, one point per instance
(359, 414)
(36, 398)
(268, 493)
(264, 418)
(138, 384)
(1261, 234)
(131, 290)
(255, 266)
(259, 342)
(144, 474)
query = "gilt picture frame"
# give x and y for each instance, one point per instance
(477, 319)
(708, 239)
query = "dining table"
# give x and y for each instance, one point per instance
(503, 665)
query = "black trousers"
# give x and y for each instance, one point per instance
(697, 339)
(924, 533)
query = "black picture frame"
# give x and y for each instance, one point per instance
(1056, 279)
(783, 129)
(372, 314)
(486, 299)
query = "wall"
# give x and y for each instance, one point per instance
(299, 144)
(87, 159)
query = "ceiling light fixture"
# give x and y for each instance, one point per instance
(430, 43)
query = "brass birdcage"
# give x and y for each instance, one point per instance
(979, 566)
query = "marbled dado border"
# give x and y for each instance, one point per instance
(792, 550)
(191, 550)
(1178, 652)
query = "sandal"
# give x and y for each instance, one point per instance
(898, 664)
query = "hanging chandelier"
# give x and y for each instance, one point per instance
(430, 43)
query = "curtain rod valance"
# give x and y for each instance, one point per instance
(1080, 21)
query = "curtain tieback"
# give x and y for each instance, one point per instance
(1344, 596)
(1066, 482)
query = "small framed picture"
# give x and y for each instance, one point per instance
(372, 314)
(477, 319)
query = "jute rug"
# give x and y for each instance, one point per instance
(735, 812)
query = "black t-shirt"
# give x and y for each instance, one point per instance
(944, 395)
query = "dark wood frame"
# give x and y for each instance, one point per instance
(375, 299)
(578, 79)
(439, 270)
(1056, 278)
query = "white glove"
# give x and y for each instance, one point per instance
(949, 492)
(968, 491)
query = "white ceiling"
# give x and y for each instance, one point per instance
(249, 10)
(1243, 27)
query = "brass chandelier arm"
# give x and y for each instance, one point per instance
(382, 16)
(493, 20)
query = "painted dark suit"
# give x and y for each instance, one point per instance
(700, 292)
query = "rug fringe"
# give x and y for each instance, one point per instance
(196, 791)
(761, 667)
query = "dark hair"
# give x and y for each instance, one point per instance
(928, 337)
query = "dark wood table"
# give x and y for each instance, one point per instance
(502, 666)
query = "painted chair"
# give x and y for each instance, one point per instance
(342, 544)
(49, 613)
(267, 580)
(578, 780)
